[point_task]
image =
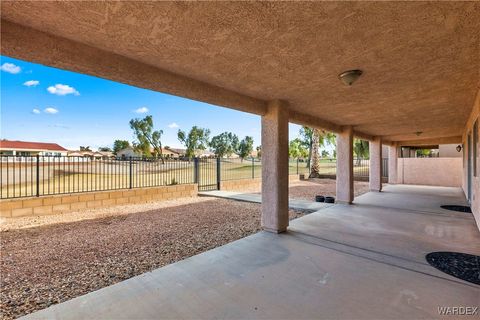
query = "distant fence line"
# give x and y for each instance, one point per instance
(28, 176)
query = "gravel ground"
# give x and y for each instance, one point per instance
(49, 264)
(84, 214)
(308, 189)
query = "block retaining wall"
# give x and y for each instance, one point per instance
(56, 204)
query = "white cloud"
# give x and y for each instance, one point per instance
(50, 110)
(31, 83)
(10, 68)
(141, 110)
(62, 90)
(173, 125)
(36, 111)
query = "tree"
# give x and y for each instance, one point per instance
(315, 165)
(360, 149)
(296, 149)
(104, 149)
(423, 153)
(224, 144)
(196, 139)
(325, 154)
(85, 148)
(120, 145)
(306, 135)
(146, 136)
(245, 147)
(259, 152)
(313, 139)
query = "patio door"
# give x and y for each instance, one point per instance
(469, 167)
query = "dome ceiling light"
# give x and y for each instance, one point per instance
(350, 76)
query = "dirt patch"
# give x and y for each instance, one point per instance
(50, 264)
(308, 189)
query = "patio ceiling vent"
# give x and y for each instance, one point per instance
(350, 76)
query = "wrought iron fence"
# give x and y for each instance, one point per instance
(29, 176)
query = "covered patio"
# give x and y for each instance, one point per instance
(361, 261)
(361, 258)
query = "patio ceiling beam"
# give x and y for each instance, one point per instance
(435, 141)
(39, 47)
(314, 122)
(363, 136)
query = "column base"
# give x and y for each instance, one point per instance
(277, 231)
(343, 202)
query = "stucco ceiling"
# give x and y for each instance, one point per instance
(421, 60)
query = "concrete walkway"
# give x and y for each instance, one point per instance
(298, 204)
(364, 261)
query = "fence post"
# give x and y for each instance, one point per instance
(38, 175)
(253, 168)
(218, 173)
(130, 173)
(195, 170)
(297, 166)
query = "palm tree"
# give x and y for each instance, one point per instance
(319, 139)
(360, 149)
(315, 162)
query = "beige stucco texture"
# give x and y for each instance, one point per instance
(420, 59)
(444, 172)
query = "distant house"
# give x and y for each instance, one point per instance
(128, 152)
(106, 154)
(171, 153)
(168, 153)
(204, 154)
(26, 148)
(80, 153)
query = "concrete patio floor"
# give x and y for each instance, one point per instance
(364, 261)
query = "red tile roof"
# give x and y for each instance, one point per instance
(9, 144)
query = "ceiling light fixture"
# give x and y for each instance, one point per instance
(350, 76)
(418, 133)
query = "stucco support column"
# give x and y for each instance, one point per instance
(275, 167)
(392, 164)
(375, 175)
(345, 165)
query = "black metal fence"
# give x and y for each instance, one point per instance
(29, 176)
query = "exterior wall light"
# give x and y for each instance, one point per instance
(459, 148)
(350, 76)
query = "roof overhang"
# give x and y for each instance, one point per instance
(421, 60)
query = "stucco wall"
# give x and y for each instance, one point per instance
(445, 172)
(56, 204)
(475, 201)
(449, 151)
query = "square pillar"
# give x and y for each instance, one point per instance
(275, 167)
(392, 164)
(375, 149)
(345, 166)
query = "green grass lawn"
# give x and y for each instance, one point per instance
(148, 175)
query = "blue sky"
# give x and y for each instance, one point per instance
(40, 103)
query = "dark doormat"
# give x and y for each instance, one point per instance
(460, 265)
(457, 208)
